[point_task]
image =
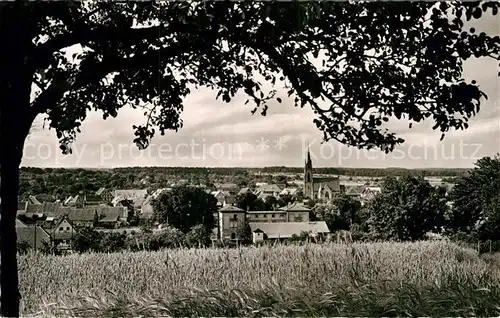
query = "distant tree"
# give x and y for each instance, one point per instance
(270, 203)
(476, 197)
(284, 200)
(244, 233)
(268, 178)
(242, 178)
(340, 214)
(87, 239)
(170, 237)
(311, 203)
(258, 205)
(95, 221)
(321, 211)
(299, 195)
(148, 54)
(198, 236)
(132, 217)
(347, 212)
(280, 179)
(246, 201)
(112, 242)
(184, 207)
(406, 209)
(302, 237)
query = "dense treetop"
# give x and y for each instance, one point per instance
(356, 65)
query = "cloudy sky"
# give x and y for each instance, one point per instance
(228, 135)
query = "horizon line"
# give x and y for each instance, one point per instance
(253, 168)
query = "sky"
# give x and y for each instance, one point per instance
(217, 134)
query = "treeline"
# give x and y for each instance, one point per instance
(409, 208)
(355, 172)
(370, 172)
(59, 183)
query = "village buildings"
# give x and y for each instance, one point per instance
(108, 210)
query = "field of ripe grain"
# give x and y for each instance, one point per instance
(378, 279)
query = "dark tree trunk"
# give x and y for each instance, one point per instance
(14, 127)
(15, 122)
(9, 282)
(13, 131)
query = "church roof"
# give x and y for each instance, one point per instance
(326, 179)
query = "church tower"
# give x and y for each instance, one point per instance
(308, 177)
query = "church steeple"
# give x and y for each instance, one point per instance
(308, 177)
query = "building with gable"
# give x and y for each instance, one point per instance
(319, 188)
(282, 223)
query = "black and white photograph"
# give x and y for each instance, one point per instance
(249, 159)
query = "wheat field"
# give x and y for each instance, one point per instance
(369, 279)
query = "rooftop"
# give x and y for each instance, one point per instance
(230, 208)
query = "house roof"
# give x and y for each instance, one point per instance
(92, 197)
(354, 190)
(226, 186)
(266, 212)
(65, 210)
(51, 207)
(325, 179)
(131, 194)
(111, 214)
(148, 200)
(230, 208)
(34, 208)
(332, 182)
(289, 191)
(34, 200)
(68, 200)
(127, 230)
(100, 191)
(258, 231)
(158, 192)
(20, 224)
(21, 206)
(64, 219)
(269, 188)
(109, 218)
(288, 229)
(84, 214)
(244, 190)
(263, 196)
(296, 207)
(65, 235)
(27, 235)
(138, 197)
(119, 211)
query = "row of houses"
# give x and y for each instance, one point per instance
(48, 213)
(38, 224)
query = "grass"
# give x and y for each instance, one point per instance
(377, 279)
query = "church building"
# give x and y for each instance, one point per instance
(319, 188)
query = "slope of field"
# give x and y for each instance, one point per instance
(379, 279)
